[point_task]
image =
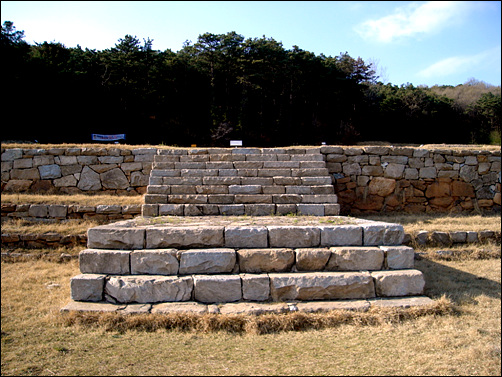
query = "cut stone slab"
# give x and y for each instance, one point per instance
(102, 306)
(179, 307)
(321, 286)
(400, 302)
(398, 283)
(265, 260)
(398, 257)
(217, 288)
(154, 262)
(378, 233)
(180, 237)
(95, 261)
(148, 288)
(294, 236)
(87, 287)
(355, 258)
(341, 235)
(253, 308)
(246, 236)
(325, 306)
(255, 287)
(312, 259)
(207, 261)
(115, 237)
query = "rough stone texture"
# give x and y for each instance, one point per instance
(312, 259)
(398, 257)
(254, 308)
(87, 287)
(111, 237)
(246, 236)
(148, 288)
(375, 234)
(255, 287)
(114, 179)
(294, 236)
(265, 260)
(207, 261)
(179, 307)
(94, 261)
(341, 235)
(355, 259)
(217, 288)
(320, 306)
(89, 180)
(321, 286)
(182, 237)
(154, 262)
(398, 283)
(400, 302)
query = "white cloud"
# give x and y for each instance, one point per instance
(462, 64)
(413, 20)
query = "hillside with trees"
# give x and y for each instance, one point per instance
(225, 87)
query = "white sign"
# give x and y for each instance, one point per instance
(100, 137)
(236, 143)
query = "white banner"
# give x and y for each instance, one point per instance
(100, 137)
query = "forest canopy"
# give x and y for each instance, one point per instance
(225, 87)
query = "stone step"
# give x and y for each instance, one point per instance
(223, 205)
(234, 198)
(251, 172)
(232, 260)
(240, 189)
(238, 165)
(274, 287)
(251, 308)
(241, 180)
(223, 232)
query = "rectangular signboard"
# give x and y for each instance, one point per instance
(99, 137)
(236, 143)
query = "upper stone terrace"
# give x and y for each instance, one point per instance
(240, 181)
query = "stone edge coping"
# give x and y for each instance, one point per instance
(248, 308)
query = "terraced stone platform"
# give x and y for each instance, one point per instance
(243, 230)
(265, 264)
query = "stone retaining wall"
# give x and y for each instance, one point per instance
(366, 179)
(55, 212)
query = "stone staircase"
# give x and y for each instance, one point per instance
(183, 255)
(241, 181)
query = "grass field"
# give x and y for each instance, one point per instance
(460, 335)
(37, 340)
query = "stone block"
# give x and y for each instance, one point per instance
(217, 288)
(244, 189)
(50, 171)
(179, 307)
(87, 287)
(398, 283)
(265, 260)
(38, 210)
(99, 261)
(311, 259)
(154, 262)
(458, 237)
(207, 261)
(148, 288)
(183, 237)
(355, 259)
(381, 186)
(427, 172)
(377, 234)
(286, 199)
(253, 199)
(255, 287)
(341, 235)
(398, 257)
(308, 286)
(294, 236)
(57, 211)
(310, 209)
(251, 308)
(232, 209)
(313, 307)
(115, 237)
(259, 209)
(246, 236)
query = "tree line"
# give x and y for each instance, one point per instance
(225, 87)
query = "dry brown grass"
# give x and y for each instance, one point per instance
(37, 340)
(71, 227)
(80, 199)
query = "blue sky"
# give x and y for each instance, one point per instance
(423, 43)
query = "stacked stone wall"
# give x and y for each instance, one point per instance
(366, 179)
